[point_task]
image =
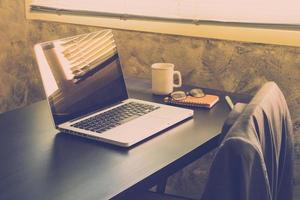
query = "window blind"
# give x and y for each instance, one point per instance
(284, 12)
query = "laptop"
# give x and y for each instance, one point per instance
(85, 88)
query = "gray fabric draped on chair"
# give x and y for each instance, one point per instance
(254, 161)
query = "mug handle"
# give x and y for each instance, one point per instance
(178, 74)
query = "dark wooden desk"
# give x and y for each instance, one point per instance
(37, 162)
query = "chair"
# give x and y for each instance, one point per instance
(254, 160)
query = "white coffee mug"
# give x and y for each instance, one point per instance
(163, 78)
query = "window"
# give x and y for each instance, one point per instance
(230, 19)
(247, 11)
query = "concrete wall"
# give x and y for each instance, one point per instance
(226, 65)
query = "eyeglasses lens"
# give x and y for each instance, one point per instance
(197, 93)
(178, 95)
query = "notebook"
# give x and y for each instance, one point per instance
(208, 101)
(87, 95)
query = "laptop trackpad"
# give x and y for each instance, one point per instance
(139, 129)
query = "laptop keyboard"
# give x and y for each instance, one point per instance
(115, 117)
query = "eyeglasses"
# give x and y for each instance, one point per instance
(181, 95)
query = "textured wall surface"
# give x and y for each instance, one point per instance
(226, 65)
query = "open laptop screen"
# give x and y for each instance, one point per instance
(79, 83)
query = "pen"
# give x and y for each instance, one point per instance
(229, 102)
